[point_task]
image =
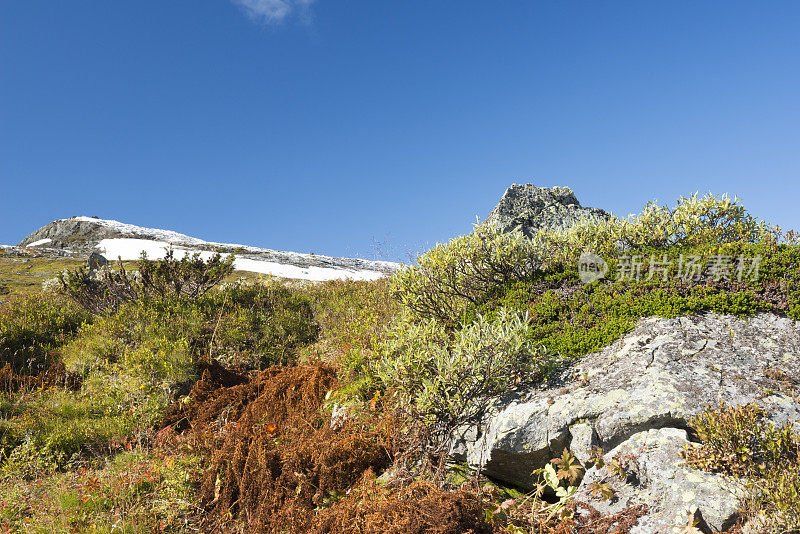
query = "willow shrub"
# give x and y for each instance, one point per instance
(694, 221)
(449, 380)
(152, 347)
(451, 277)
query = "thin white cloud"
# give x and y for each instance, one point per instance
(274, 11)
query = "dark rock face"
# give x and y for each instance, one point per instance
(639, 395)
(529, 209)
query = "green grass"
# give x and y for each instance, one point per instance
(134, 491)
(45, 430)
(24, 275)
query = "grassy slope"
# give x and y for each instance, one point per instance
(104, 474)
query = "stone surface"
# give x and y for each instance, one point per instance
(72, 233)
(656, 474)
(96, 261)
(657, 377)
(529, 209)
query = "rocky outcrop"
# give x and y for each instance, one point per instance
(657, 377)
(75, 233)
(529, 209)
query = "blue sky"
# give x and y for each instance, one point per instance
(325, 126)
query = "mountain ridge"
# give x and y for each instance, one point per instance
(117, 240)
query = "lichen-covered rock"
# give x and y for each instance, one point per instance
(656, 474)
(659, 376)
(529, 209)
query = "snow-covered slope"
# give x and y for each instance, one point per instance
(117, 240)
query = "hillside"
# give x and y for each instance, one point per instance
(80, 236)
(491, 387)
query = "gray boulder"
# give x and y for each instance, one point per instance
(96, 261)
(657, 377)
(529, 209)
(656, 474)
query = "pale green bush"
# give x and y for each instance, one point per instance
(450, 277)
(448, 381)
(695, 220)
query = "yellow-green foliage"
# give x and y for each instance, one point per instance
(23, 271)
(450, 277)
(160, 341)
(354, 317)
(592, 316)
(147, 343)
(43, 430)
(740, 441)
(466, 272)
(134, 492)
(259, 324)
(459, 288)
(132, 362)
(449, 379)
(186, 278)
(32, 327)
(694, 221)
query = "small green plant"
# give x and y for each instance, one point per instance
(31, 328)
(695, 220)
(51, 429)
(136, 491)
(740, 440)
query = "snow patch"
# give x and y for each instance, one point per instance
(168, 236)
(40, 242)
(131, 249)
(154, 233)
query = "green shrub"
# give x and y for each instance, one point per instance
(354, 317)
(451, 277)
(588, 317)
(31, 328)
(694, 221)
(188, 278)
(49, 429)
(448, 380)
(145, 341)
(154, 345)
(741, 441)
(259, 325)
(466, 273)
(134, 492)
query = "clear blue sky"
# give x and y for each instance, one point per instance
(322, 125)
